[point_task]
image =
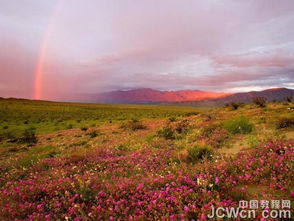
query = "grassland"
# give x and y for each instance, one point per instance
(71, 161)
(53, 116)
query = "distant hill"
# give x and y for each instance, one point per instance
(182, 97)
(151, 96)
(278, 94)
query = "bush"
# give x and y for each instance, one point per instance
(133, 125)
(234, 105)
(289, 98)
(208, 130)
(10, 136)
(84, 128)
(172, 119)
(285, 123)
(260, 101)
(182, 127)
(122, 147)
(214, 135)
(198, 153)
(166, 132)
(208, 117)
(238, 125)
(28, 136)
(189, 114)
(92, 134)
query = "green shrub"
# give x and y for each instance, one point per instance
(238, 125)
(198, 153)
(172, 119)
(11, 136)
(208, 117)
(214, 135)
(182, 127)
(133, 125)
(189, 114)
(285, 123)
(166, 132)
(80, 143)
(208, 130)
(92, 134)
(28, 136)
(234, 105)
(84, 128)
(122, 147)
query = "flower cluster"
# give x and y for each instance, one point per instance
(142, 184)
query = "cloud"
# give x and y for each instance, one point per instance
(15, 64)
(277, 58)
(169, 44)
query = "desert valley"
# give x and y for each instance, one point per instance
(141, 162)
(158, 110)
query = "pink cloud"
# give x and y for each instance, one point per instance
(15, 64)
(269, 59)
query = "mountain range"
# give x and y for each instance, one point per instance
(188, 97)
(151, 96)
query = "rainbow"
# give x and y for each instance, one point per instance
(39, 70)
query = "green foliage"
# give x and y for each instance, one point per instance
(93, 134)
(172, 119)
(28, 136)
(208, 130)
(253, 141)
(43, 115)
(192, 113)
(80, 143)
(238, 125)
(122, 147)
(8, 135)
(37, 153)
(214, 135)
(208, 117)
(166, 132)
(84, 128)
(198, 153)
(234, 105)
(133, 125)
(182, 127)
(120, 163)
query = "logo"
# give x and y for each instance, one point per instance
(254, 209)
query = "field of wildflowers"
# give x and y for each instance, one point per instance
(126, 174)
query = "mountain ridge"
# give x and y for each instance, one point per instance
(271, 94)
(188, 97)
(180, 97)
(148, 95)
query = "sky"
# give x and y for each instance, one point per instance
(60, 49)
